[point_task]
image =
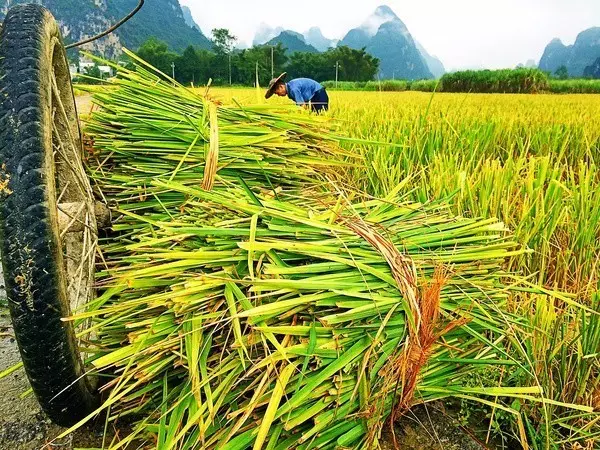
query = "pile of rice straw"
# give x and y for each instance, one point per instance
(247, 301)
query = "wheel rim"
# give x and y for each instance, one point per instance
(71, 195)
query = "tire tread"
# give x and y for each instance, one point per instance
(27, 242)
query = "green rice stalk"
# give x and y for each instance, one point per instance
(263, 307)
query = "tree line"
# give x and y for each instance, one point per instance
(224, 64)
(519, 81)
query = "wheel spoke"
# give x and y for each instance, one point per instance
(85, 262)
(77, 213)
(73, 219)
(62, 110)
(70, 217)
(67, 161)
(63, 192)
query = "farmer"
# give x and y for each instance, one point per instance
(304, 91)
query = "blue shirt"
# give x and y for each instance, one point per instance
(301, 90)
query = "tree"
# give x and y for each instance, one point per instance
(93, 72)
(223, 42)
(245, 61)
(280, 58)
(562, 73)
(157, 53)
(310, 65)
(194, 66)
(354, 65)
(197, 66)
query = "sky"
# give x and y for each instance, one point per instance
(462, 33)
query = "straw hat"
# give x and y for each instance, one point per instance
(274, 83)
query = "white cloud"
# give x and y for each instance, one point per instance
(462, 33)
(265, 33)
(374, 21)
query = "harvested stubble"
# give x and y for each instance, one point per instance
(275, 311)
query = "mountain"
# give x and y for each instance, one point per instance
(382, 14)
(311, 41)
(396, 50)
(297, 35)
(593, 70)
(576, 57)
(435, 66)
(386, 37)
(315, 37)
(555, 55)
(530, 64)
(265, 33)
(356, 38)
(189, 19)
(293, 42)
(163, 19)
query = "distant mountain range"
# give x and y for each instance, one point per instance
(593, 70)
(435, 66)
(163, 19)
(530, 64)
(189, 19)
(577, 57)
(314, 36)
(383, 35)
(265, 33)
(386, 37)
(293, 42)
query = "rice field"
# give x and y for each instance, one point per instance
(494, 197)
(530, 161)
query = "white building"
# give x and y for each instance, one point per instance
(106, 71)
(86, 65)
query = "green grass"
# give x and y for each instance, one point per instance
(577, 86)
(553, 86)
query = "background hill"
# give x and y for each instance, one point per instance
(574, 57)
(189, 19)
(382, 34)
(293, 42)
(314, 37)
(265, 33)
(163, 19)
(435, 66)
(386, 37)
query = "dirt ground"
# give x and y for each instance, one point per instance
(23, 425)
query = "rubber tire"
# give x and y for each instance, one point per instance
(29, 238)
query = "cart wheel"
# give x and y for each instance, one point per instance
(48, 228)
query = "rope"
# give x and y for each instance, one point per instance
(110, 30)
(212, 159)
